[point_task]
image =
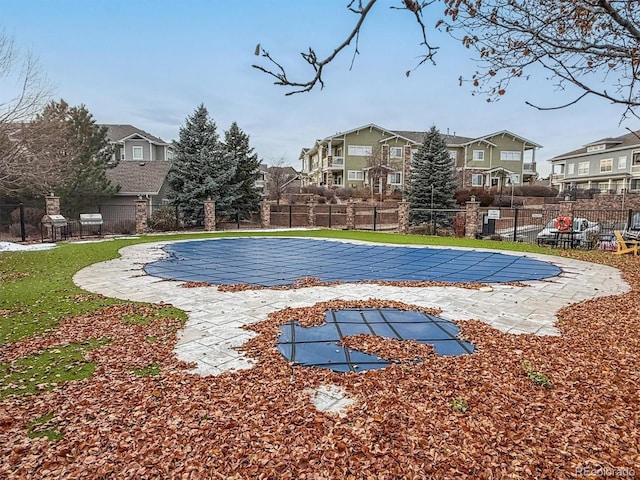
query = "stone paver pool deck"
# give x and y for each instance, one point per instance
(215, 318)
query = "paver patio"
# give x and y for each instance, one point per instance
(213, 329)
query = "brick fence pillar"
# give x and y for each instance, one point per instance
(311, 213)
(141, 215)
(403, 217)
(265, 214)
(52, 205)
(351, 215)
(472, 219)
(209, 216)
(566, 209)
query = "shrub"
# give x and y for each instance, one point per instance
(123, 227)
(30, 230)
(535, 191)
(32, 215)
(345, 193)
(483, 196)
(163, 219)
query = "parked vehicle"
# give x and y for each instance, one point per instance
(583, 230)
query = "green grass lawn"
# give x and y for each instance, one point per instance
(37, 292)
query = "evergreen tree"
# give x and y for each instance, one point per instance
(202, 168)
(433, 181)
(71, 139)
(88, 184)
(247, 170)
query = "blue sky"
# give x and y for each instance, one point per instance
(150, 63)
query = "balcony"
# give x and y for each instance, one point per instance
(334, 163)
(635, 168)
(528, 168)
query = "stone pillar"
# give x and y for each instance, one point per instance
(141, 215)
(403, 217)
(472, 219)
(566, 209)
(209, 216)
(351, 215)
(406, 168)
(329, 172)
(311, 213)
(52, 205)
(265, 214)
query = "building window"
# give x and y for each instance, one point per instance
(583, 168)
(596, 148)
(606, 165)
(477, 180)
(395, 152)
(355, 175)
(622, 162)
(571, 169)
(137, 153)
(478, 155)
(394, 178)
(507, 155)
(513, 178)
(360, 150)
(635, 158)
(453, 155)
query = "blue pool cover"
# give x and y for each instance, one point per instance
(279, 261)
(317, 346)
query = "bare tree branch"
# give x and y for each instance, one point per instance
(590, 45)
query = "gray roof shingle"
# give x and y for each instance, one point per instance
(116, 133)
(630, 139)
(139, 178)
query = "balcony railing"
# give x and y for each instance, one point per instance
(635, 168)
(335, 162)
(529, 167)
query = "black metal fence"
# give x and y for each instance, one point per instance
(539, 225)
(439, 222)
(13, 223)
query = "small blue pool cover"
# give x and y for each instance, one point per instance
(279, 261)
(317, 346)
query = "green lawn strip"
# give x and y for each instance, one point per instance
(146, 319)
(152, 370)
(40, 427)
(45, 370)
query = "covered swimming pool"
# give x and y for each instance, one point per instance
(280, 261)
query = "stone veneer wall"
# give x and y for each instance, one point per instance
(141, 215)
(209, 216)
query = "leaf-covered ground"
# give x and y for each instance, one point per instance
(143, 415)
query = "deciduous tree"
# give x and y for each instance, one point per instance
(592, 46)
(25, 91)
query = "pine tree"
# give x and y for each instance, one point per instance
(202, 168)
(88, 183)
(237, 145)
(433, 181)
(79, 146)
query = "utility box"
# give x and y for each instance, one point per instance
(488, 226)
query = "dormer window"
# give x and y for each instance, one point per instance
(596, 148)
(137, 153)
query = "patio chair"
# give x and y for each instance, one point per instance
(625, 246)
